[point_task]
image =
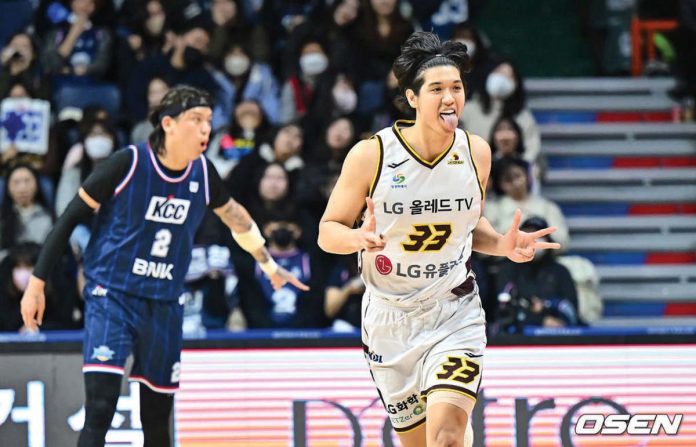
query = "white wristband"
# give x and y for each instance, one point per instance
(269, 267)
(250, 240)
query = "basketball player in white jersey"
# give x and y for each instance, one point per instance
(423, 182)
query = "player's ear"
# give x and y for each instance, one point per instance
(167, 123)
(411, 97)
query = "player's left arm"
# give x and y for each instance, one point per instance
(246, 232)
(516, 245)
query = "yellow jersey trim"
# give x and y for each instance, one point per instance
(412, 151)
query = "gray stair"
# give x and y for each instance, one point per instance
(639, 176)
(661, 322)
(664, 272)
(657, 292)
(623, 234)
(604, 86)
(628, 242)
(647, 148)
(584, 103)
(619, 131)
(630, 194)
(661, 224)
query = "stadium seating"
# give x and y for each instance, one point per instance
(625, 177)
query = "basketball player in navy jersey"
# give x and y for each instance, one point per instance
(149, 201)
(422, 183)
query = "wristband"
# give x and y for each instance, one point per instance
(250, 240)
(269, 267)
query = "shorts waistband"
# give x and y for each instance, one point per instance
(463, 289)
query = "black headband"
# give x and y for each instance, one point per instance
(433, 57)
(176, 109)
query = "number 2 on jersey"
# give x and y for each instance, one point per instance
(428, 237)
(160, 247)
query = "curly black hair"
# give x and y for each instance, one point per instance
(423, 50)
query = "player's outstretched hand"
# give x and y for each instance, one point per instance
(282, 277)
(33, 304)
(519, 246)
(369, 239)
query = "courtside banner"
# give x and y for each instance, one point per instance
(530, 396)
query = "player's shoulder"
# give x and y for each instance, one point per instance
(366, 150)
(480, 148)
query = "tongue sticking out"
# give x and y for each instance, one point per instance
(450, 120)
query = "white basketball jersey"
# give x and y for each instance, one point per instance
(427, 212)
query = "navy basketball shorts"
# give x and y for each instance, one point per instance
(117, 324)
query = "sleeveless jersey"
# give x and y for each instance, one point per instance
(143, 236)
(427, 212)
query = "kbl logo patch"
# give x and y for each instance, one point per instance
(167, 210)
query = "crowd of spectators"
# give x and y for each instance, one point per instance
(296, 84)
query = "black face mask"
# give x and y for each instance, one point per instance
(282, 237)
(193, 57)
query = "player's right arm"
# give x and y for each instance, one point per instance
(98, 187)
(348, 198)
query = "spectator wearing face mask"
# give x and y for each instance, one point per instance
(299, 91)
(245, 79)
(287, 307)
(483, 60)
(97, 143)
(503, 96)
(337, 97)
(62, 301)
(183, 60)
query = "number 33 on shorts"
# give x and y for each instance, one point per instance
(460, 369)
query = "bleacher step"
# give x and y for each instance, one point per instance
(599, 86)
(647, 148)
(665, 272)
(657, 292)
(618, 131)
(584, 103)
(648, 176)
(673, 243)
(662, 224)
(622, 194)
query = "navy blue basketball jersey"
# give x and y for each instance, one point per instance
(142, 239)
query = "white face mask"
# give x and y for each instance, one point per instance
(237, 65)
(345, 98)
(98, 147)
(313, 64)
(20, 277)
(499, 86)
(470, 46)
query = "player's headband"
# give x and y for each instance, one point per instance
(176, 109)
(441, 58)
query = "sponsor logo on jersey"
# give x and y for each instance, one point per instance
(167, 210)
(398, 181)
(102, 353)
(99, 291)
(455, 159)
(383, 264)
(193, 187)
(158, 270)
(396, 165)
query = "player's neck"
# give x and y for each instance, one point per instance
(171, 159)
(427, 142)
